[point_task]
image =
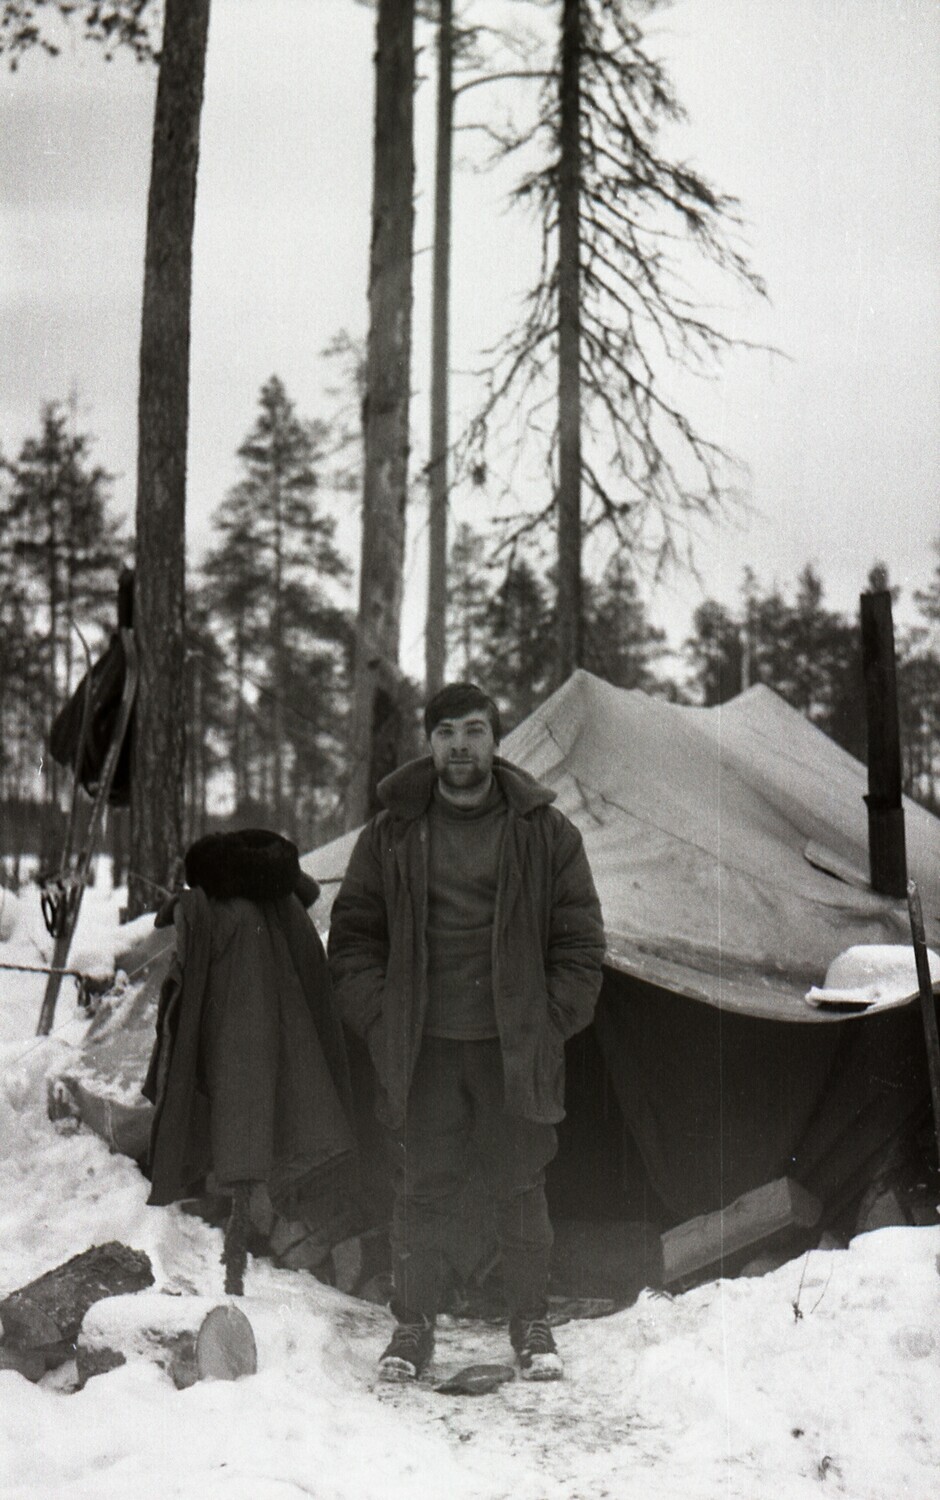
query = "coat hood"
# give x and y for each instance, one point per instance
(407, 791)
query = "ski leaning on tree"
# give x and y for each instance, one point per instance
(466, 945)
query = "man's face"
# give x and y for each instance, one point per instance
(463, 749)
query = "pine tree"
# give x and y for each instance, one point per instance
(265, 583)
(919, 695)
(24, 24)
(206, 710)
(765, 628)
(610, 309)
(61, 533)
(928, 600)
(23, 697)
(918, 679)
(66, 548)
(516, 662)
(469, 595)
(809, 654)
(620, 643)
(804, 651)
(715, 653)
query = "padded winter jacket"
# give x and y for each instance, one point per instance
(548, 940)
(248, 1074)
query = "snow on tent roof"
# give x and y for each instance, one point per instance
(729, 845)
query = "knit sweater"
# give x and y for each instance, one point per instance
(464, 851)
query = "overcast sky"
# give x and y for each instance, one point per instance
(822, 116)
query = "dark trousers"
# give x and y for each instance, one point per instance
(456, 1119)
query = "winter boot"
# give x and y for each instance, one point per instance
(536, 1355)
(409, 1353)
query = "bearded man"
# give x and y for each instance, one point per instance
(466, 945)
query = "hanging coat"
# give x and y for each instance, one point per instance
(248, 1075)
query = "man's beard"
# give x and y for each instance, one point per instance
(464, 774)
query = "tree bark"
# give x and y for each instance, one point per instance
(239, 751)
(49, 1311)
(50, 828)
(568, 622)
(163, 419)
(388, 375)
(435, 644)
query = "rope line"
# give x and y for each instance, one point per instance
(44, 969)
(76, 974)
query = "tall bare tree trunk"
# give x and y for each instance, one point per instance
(163, 421)
(435, 640)
(194, 761)
(239, 747)
(568, 628)
(50, 831)
(388, 376)
(277, 653)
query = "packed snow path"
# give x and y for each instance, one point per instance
(820, 1379)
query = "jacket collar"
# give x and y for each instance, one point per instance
(408, 791)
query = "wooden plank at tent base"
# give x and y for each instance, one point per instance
(750, 1220)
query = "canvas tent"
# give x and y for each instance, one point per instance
(729, 849)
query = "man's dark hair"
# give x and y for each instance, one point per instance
(457, 699)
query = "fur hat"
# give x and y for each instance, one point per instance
(252, 863)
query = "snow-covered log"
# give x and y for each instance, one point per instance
(191, 1338)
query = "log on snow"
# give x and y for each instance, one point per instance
(191, 1338)
(28, 1362)
(47, 1313)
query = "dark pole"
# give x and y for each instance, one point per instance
(125, 599)
(886, 848)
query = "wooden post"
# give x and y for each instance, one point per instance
(887, 856)
(928, 1007)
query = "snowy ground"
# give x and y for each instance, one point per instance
(820, 1379)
